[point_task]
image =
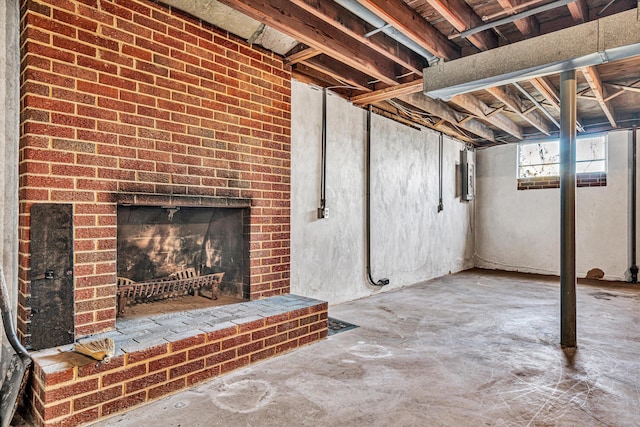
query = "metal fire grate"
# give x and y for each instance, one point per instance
(336, 326)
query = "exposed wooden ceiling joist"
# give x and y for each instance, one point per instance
(630, 88)
(462, 17)
(579, 11)
(334, 51)
(333, 14)
(388, 93)
(393, 111)
(547, 90)
(442, 110)
(414, 26)
(599, 92)
(551, 95)
(314, 32)
(528, 26)
(408, 92)
(508, 97)
(306, 74)
(301, 56)
(613, 95)
(342, 74)
(483, 112)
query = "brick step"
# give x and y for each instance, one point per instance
(163, 354)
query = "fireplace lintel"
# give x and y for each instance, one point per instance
(173, 200)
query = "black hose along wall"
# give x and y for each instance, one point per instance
(372, 282)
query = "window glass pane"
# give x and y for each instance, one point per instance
(539, 170)
(591, 166)
(591, 149)
(541, 153)
(542, 159)
(528, 154)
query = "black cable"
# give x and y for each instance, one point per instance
(381, 282)
(323, 174)
(440, 154)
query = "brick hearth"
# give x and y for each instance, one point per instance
(167, 353)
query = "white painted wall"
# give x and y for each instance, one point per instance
(9, 136)
(411, 242)
(520, 230)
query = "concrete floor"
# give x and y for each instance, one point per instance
(474, 348)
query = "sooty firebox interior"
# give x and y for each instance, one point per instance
(182, 257)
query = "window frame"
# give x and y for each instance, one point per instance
(583, 179)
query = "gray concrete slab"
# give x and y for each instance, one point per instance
(469, 349)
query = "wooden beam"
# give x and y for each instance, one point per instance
(511, 10)
(482, 111)
(551, 95)
(441, 125)
(301, 56)
(414, 26)
(630, 88)
(496, 111)
(305, 74)
(614, 95)
(334, 14)
(442, 110)
(513, 101)
(546, 89)
(303, 26)
(529, 26)
(388, 93)
(579, 11)
(599, 92)
(393, 113)
(408, 92)
(462, 17)
(342, 74)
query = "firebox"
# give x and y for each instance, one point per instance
(196, 254)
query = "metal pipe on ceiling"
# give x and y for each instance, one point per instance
(509, 19)
(511, 9)
(365, 14)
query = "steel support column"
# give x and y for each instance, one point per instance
(568, 208)
(634, 195)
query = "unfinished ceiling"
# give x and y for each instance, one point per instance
(374, 52)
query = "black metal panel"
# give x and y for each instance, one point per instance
(52, 299)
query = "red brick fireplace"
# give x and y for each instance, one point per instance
(129, 102)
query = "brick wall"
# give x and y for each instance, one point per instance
(129, 97)
(597, 179)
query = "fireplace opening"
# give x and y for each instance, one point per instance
(176, 258)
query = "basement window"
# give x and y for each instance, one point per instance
(539, 163)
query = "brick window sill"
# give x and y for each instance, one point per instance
(598, 179)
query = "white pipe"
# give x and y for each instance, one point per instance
(515, 17)
(365, 14)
